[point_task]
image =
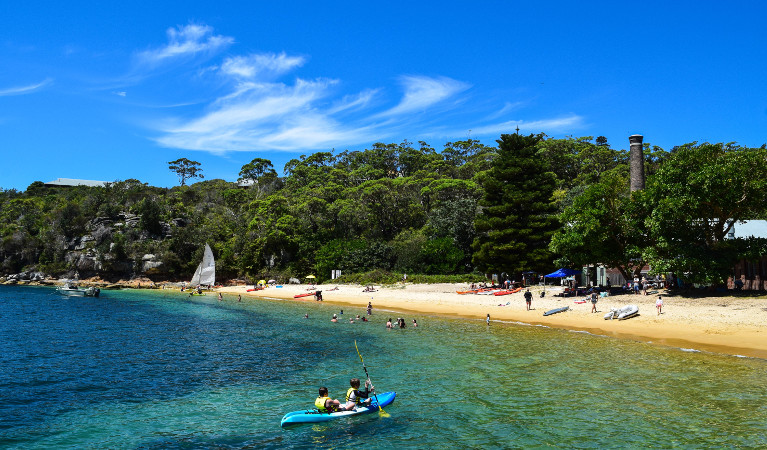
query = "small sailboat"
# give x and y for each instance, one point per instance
(205, 275)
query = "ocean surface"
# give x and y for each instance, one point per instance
(157, 370)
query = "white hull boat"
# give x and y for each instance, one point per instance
(626, 312)
(74, 291)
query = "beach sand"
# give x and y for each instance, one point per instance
(729, 325)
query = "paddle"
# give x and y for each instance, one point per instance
(381, 412)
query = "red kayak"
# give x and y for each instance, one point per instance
(303, 295)
(507, 292)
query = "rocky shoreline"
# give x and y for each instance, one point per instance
(41, 279)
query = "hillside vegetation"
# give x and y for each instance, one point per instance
(401, 208)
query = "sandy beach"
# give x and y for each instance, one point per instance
(729, 325)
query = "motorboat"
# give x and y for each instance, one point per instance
(72, 290)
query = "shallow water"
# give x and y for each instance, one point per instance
(137, 369)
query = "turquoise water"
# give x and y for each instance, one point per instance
(157, 370)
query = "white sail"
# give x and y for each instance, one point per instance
(208, 268)
(196, 278)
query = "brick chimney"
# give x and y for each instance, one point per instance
(636, 162)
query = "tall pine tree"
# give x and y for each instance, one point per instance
(518, 216)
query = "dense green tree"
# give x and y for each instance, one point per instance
(697, 195)
(605, 225)
(517, 218)
(259, 172)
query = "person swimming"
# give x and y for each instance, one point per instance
(388, 323)
(334, 319)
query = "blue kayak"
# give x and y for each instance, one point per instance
(313, 416)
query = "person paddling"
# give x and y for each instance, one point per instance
(325, 404)
(354, 397)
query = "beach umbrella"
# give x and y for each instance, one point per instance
(261, 281)
(272, 281)
(561, 273)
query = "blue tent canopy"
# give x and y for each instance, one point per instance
(561, 273)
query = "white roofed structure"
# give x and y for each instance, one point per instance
(75, 182)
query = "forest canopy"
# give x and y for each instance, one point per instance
(531, 203)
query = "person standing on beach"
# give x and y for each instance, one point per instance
(528, 298)
(659, 304)
(594, 297)
(488, 320)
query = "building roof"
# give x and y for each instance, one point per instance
(75, 182)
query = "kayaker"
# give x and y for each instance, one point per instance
(354, 397)
(325, 404)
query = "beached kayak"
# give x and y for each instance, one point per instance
(556, 310)
(304, 295)
(313, 416)
(507, 291)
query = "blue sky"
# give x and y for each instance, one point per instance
(115, 90)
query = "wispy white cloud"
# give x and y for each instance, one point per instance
(185, 41)
(353, 102)
(260, 66)
(121, 93)
(251, 111)
(423, 92)
(21, 90)
(557, 125)
(261, 116)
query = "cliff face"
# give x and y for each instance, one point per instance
(104, 251)
(98, 253)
